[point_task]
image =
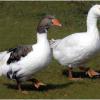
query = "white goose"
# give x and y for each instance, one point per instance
(22, 62)
(76, 49)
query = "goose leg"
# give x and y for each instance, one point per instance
(70, 76)
(89, 71)
(92, 73)
(19, 87)
(37, 83)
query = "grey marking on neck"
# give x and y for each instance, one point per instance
(41, 29)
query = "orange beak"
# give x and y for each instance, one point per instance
(56, 22)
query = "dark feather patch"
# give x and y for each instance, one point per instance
(18, 52)
(12, 75)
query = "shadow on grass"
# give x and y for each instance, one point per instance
(80, 74)
(30, 87)
(42, 88)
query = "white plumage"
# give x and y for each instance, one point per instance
(38, 58)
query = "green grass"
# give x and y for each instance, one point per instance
(18, 22)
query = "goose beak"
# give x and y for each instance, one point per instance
(56, 22)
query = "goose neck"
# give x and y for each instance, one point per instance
(41, 37)
(91, 21)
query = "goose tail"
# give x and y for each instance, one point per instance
(2, 55)
(1, 73)
(2, 61)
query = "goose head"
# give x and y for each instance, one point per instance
(96, 10)
(46, 23)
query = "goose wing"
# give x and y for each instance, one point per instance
(18, 52)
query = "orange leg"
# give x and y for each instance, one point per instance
(89, 71)
(37, 83)
(70, 76)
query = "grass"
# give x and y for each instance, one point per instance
(18, 21)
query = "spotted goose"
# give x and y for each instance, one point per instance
(22, 62)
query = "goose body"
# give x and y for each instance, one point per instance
(76, 49)
(69, 52)
(29, 64)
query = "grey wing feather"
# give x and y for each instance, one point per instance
(18, 52)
